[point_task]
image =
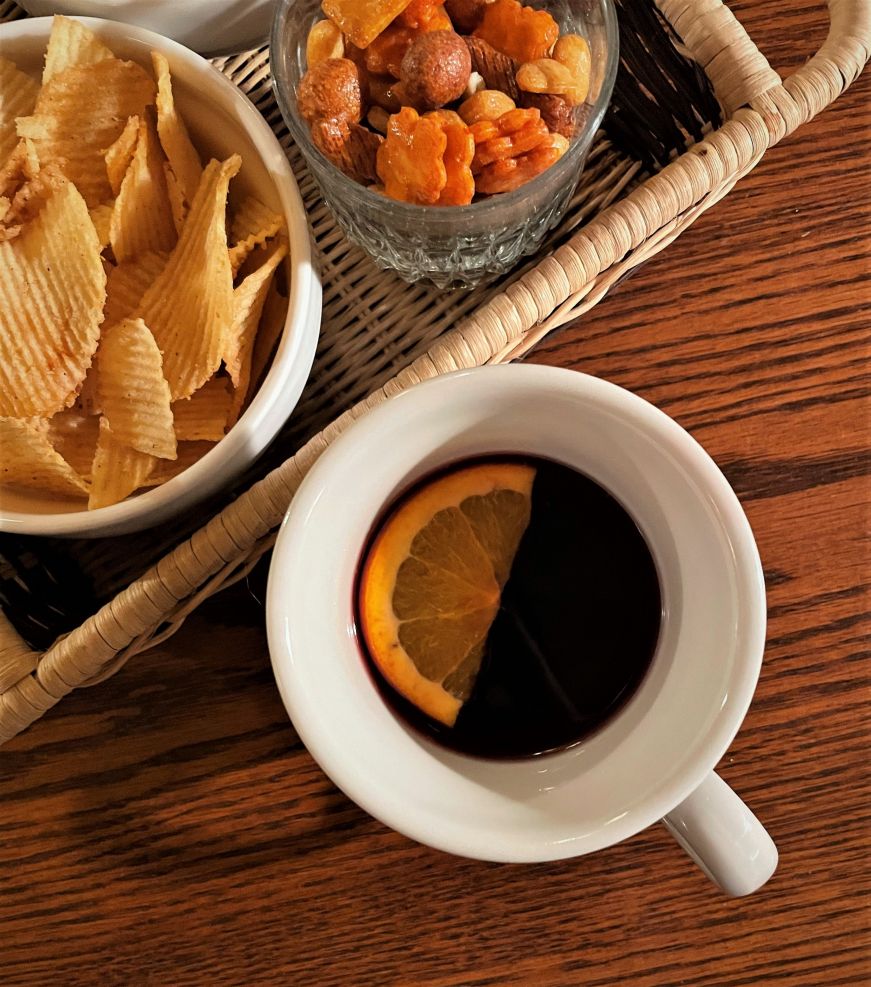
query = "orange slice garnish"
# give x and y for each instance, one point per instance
(433, 578)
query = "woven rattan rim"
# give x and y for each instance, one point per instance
(760, 110)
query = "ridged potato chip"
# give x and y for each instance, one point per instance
(190, 306)
(127, 283)
(252, 225)
(88, 401)
(142, 218)
(176, 198)
(117, 470)
(119, 154)
(23, 190)
(132, 391)
(82, 111)
(49, 325)
(71, 43)
(73, 436)
(177, 145)
(29, 459)
(248, 301)
(19, 168)
(205, 413)
(17, 99)
(32, 195)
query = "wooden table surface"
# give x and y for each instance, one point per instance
(168, 827)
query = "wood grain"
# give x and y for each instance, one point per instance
(168, 827)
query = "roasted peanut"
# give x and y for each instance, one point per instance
(573, 51)
(488, 104)
(545, 75)
(324, 41)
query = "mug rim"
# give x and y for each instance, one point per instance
(312, 720)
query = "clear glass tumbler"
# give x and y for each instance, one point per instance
(450, 246)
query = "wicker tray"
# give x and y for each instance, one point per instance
(380, 336)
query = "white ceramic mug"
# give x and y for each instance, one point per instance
(655, 759)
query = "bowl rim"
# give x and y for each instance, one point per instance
(449, 214)
(293, 358)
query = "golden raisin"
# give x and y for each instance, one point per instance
(324, 41)
(460, 149)
(518, 31)
(486, 104)
(511, 135)
(510, 173)
(331, 91)
(410, 161)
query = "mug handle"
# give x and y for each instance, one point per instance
(723, 837)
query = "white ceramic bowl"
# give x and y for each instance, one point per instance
(655, 758)
(221, 121)
(211, 27)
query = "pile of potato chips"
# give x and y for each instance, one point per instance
(131, 325)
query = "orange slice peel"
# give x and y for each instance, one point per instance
(432, 581)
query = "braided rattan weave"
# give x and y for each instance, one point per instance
(379, 336)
